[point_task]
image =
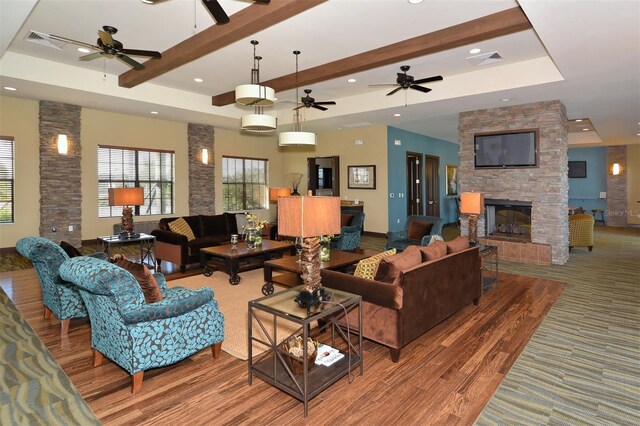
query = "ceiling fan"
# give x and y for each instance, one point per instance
(109, 47)
(405, 81)
(214, 8)
(309, 102)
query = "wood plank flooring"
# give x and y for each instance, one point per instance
(444, 377)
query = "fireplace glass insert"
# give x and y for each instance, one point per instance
(508, 219)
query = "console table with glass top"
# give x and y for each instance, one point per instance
(146, 246)
(272, 367)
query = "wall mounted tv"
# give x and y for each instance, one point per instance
(577, 169)
(509, 149)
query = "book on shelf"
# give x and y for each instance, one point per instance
(327, 355)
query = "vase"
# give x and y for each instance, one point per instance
(259, 240)
(250, 235)
(325, 253)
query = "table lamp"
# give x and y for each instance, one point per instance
(309, 217)
(275, 193)
(472, 203)
(126, 197)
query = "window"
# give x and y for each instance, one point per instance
(6, 179)
(244, 183)
(128, 167)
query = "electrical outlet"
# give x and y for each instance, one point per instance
(53, 229)
(398, 220)
(70, 228)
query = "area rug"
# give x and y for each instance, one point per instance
(233, 301)
(33, 387)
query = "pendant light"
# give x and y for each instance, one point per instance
(297, 136)
(258, 97)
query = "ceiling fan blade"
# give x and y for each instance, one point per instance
(420, 88)
(135, 52)
(90, 56)
(68, 40)
(326, 103)
(132, 63)
(394, 91)
(321, 108)
(262, 1)
(106, 38)
(384, 85)
(428, 79)
(298, 107)
(216, 11)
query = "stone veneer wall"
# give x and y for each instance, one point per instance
(201, 176)
(617, 187)
(546, 186)
(60, 177)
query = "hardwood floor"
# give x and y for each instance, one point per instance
(444, 377)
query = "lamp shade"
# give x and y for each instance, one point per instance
(275, 193)
(471, 202)
(126, 196)
(258, 123)
(308, 216)
(255, 95)
(296, 138)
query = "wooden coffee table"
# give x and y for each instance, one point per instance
(339, 260)
(232, 259)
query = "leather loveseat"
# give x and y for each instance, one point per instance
(209, 230)
(400, 306)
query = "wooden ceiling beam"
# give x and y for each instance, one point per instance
(498, 24)
(244, 23)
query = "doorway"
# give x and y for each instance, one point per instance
(414, 183)
(323, 175)
(432, 182)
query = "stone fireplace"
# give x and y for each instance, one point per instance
(544, 189)
(508, 219)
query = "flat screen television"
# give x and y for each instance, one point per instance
(509, 149)
(577, 169)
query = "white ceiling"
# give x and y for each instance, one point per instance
(586, 54)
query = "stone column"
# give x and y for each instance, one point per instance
(60, 175)
(201, 176)
(616, 214)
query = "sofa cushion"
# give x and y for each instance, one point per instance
(390, 267)
(69, 249)
(418, 229)
(458, 244)
(433, 251)
(213, 225)
(210, 241)
(180, 226)
(143, 275)
(345, 219)
(368, 267)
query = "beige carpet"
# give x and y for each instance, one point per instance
(233, 303)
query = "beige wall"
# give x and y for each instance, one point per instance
(373, 151)
(633, 184)
(19, 118)
(107, 128)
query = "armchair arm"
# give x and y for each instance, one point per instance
(162, 282)
(396, 235)
(99, 255)
(168, 308)
(170, 237)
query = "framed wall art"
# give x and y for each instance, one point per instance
(361, 177)
(452, 180)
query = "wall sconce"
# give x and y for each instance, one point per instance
(205, 156)
(63, 145)
(615, 170)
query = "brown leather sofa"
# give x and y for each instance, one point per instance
(209, 230)
(420, 296)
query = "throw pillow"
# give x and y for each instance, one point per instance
(433, 251)
(390, 267)
(142, 274)
(367, 268)
(458, 244)
(181, 226)
(69, 249)
(345, 219)
(418, 229)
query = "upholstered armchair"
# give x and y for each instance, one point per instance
(349, 238)
(581, 231)
(139, 336)
(418, 230)
(58, 296)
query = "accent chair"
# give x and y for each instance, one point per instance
(581, 231)
(418, 230)
(349, 238)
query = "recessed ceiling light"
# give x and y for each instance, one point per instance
(397, 114)
(83, 50)
(474, 51)
(505, 99)
(638, 134)
(154, 112)
(579, 120)
(415, 1)
(10, 88)
(352, 80)
(198, 80)
(586, 129)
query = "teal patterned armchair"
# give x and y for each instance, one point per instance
(139, 336)
(349, 238)
(414, 232)
(58, 296)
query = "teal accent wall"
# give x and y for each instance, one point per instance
(397, 154)
(585, 192)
